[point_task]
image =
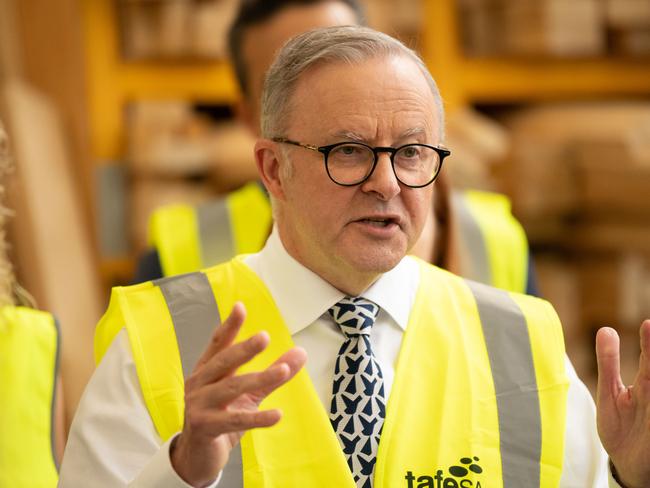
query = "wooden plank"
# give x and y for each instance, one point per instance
(53, 251)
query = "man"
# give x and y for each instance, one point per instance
(415, 377)
(477, 238)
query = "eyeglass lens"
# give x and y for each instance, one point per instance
(414, 164)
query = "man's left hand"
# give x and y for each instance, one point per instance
(624, 412)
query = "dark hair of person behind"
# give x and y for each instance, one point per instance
(253, 12)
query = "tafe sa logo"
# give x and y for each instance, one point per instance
(458, 478)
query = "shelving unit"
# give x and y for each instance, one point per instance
(464, 80)
(112, 82)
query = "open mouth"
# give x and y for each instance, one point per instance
(378, 222)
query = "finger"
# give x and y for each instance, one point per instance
(294, 359)
(226, 362)
(224, 334)
(608, 358)
(224, 392)
(214, 422)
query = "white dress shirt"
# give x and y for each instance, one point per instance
(113, 441)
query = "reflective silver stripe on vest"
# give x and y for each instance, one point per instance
(472, 242)
(515, 384)
(195, 314)
(215, 233)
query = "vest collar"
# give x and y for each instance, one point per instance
(302, 296)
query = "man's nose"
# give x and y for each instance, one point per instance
(382, 181)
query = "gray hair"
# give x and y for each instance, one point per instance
(349, 44)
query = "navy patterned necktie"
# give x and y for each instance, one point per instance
(358, 404)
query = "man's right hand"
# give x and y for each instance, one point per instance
(221, 406)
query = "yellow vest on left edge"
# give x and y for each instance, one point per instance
(479, 395)
(28, 368)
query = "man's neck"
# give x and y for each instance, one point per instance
(349, 281)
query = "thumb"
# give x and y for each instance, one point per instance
(609, 374)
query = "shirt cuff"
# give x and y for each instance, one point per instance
(160, 472)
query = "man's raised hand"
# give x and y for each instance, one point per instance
(220, 406)
(624, 412)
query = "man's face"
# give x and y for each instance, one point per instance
(362, 230)
(261, 42)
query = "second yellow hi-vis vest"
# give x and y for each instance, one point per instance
(493, 245)
(478, 399)
(28, 369)
(190, 238)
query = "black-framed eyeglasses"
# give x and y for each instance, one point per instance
(352, 163)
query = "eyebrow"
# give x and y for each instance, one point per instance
(349, 135)
(355, 136)
(413, 131)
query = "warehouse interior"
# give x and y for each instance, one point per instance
(115, 107)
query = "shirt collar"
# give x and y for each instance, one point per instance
(302, 296)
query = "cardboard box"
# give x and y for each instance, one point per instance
(610, 180)
(626, 14)
(170, 139)
(210, 23)
(632, 42)
(147, 194)
(480, 27)
(176, 29)
(613, 233)
(478, 144)
(541, 172)
(557, 280)
(615, 289)
(399, 18)
(553, 27)
(167, 139)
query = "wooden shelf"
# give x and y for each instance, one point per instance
(213, 82)
(494, 80)
(464, 80)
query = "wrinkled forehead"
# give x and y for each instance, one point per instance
(334, 91)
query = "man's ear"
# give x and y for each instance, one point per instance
(267, 158)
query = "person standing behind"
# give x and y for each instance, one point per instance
(31, 406)
(471, 233)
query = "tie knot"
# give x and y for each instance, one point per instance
(355, 315)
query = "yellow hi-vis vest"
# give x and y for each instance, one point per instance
(478, 399)
(493, 245)
(190, 238)
(28, 368)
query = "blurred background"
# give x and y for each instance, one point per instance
(115, 107)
